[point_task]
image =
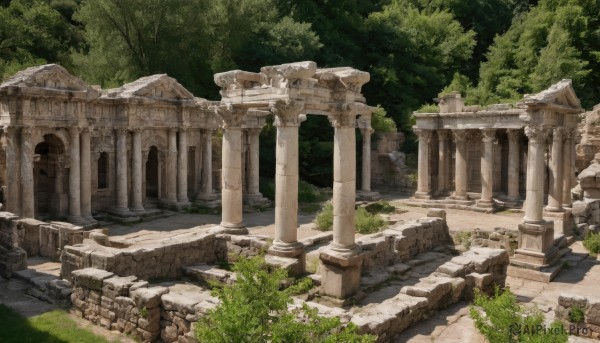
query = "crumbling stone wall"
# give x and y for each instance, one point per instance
(499, 239)
(590, 138)
(586, 212)
(230, 248)
(12, 257)
(388, 164)
(589, 307)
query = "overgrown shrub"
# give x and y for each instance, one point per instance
(501, 319)
(380, 207)
(255, 310)
(592, 242)
(576, 314)
(428, 108)
(365, 222)
(380, 122)
(308, 193)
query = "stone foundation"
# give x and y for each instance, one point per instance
(499, 239)
(589, 326)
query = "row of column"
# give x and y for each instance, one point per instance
(560, 165)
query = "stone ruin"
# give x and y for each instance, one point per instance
(394, 278)
(589, 144)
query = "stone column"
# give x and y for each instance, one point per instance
(487, 168)
(341, 261)
(86, 175)
(75, 177)
(207, 186)
(513, 164)
(121, 203)
(444, 161)
(366, 159)
(171, 160)
(252, 172)
(423, 189)
(13, 170)
(556, 175)
(231, 172)
(182, 169)
(136, 171)
(27, 189)
(58, 180)
(567, 201)
(287, 121)
(534, 201)
(460, 173)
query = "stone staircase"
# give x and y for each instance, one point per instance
(46, 287)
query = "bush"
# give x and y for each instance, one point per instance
(380, 122)
(308, 193)
(428, 108)
(576, 314)
(380, 207)
(255, 310)
(503, 320)
(365, 222)
(592, 242)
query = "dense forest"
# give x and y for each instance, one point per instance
(489, 50)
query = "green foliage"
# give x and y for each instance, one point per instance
(255, 310)
(592, 242)
(308, 193)
(366, 222)
(576, 314)
(463, 238)
(428, 108)
(51, 327)
(300, 287)
(324, 218)
(144, 312)
(380, 122)
(500, 319)
(380, 207)
(460, 83)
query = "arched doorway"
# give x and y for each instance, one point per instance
(152, 179)
(49, 178)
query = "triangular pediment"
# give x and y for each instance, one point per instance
(48, 76)
(157, 87)
(561, 93)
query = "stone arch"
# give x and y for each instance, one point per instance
(155, 139)
(50, 176)
(152, 174)
(39, 136)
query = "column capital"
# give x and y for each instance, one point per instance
(287, 112)
(569, 133)
(75, 130)
(367, 131)
(536, 133)
(443, 134)
(489, 135)
(557, 133)
(232, 117)
(513, 134)
(460, 135)
(183, 128)
(26, 130)
(343, 116)
(254, 131)
(424, 135)
(121, 130)
(172, 130)
(86, 129)
(136, 130)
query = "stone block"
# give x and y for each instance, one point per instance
(91, 278)
(436, 212)
(570, 300)
(148, 297)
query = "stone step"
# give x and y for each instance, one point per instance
(209, 274)
(46, 287)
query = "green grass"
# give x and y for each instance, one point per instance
(51, 327)
(576, 314)
(592, 242)
(365, 222)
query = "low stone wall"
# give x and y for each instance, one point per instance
(12, 257)
(586, 215)
(161, 260)
(481, 268)
(589, 326)
(230, 248)
(133, 307)
(499, 239)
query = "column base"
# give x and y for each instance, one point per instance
(256, 199)
(207, 196)
(455, 196)
(536, 245)
(485, 203)
(340, 272)
(139, 208)
(290, 256)
(120, 210)
(231, 229)
(553, 209)
(183, 204)
(77, 220)
(422, 195)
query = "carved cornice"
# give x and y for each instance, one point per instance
(536, 133)
(287, 112)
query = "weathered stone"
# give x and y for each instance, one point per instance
(148, 297)
(91, 278)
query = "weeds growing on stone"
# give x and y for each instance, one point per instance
(592, 242)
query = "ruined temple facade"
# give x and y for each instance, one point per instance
(71, 149)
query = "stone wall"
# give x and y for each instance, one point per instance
(586, 214)
(499, 239)
(160, 260)
(12, 257)
(388, 165)
(590, 138)
(589, 326)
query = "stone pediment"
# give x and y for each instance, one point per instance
(48, 76)
(560, 93)
(159, 86)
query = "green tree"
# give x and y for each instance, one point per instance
(255, 310)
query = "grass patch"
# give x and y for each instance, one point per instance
(300, 287)
(51, 327)
(365, 222)
(462, 238)
(307, 193)
(592, 242)
(576, 314)
(428, 108)
(380, 207)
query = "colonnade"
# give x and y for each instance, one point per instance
(560, 170)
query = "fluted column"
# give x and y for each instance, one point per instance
(366, 159)
(344, 181)
(75, 177)
(231, 172)
(27, 191)
(171, 160)
(534, 201)
(556, 175)
(136, 171)
(13, 170)
(487, 168)
(207, 186)
(567, 176)
(443, 161)
(460, 174)
(182, 168)
(252, 172)
(513, 164)
(287, 121)
(86, 175)
(423, 186)
(122, 201)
